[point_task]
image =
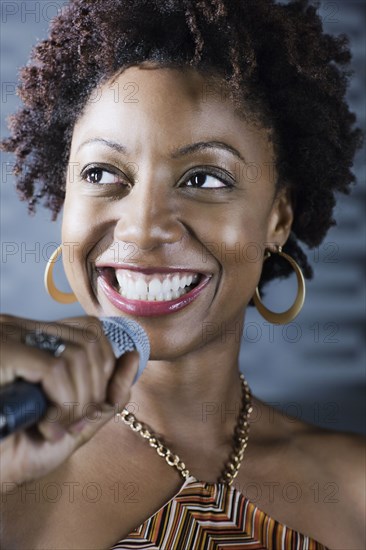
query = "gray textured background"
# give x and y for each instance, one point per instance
(314, 368)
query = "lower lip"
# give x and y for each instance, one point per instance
(144, 308)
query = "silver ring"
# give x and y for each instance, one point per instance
(46, 342)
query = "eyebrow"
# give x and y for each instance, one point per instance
(201, 145)
(176, 153)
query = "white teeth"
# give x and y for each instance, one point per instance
(155, 287)
(130, 285)
(170, 288)
(175, 283)
(141, 287)
(166, 286)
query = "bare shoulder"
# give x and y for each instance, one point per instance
(337, 450)
(329, 470)
(343, 455)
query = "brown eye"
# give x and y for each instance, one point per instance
(198, 180)
(94, 175)
(100, 176)
(207, 180)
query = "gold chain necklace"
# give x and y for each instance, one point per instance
(240, 437)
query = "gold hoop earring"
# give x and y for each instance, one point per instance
(290, 314)
(55, 293)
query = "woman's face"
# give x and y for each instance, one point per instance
(140, 193)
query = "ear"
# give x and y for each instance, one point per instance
(280, 219)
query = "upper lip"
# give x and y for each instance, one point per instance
(148, 270)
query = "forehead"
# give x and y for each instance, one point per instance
(148, 89)
(164, 103)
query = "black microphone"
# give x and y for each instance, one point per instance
(23, 403)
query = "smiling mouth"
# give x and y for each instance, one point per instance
(151, 288)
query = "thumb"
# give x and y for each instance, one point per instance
(119, 386)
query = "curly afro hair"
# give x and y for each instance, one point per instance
(275, 58)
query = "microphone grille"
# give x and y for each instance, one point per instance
(127, 335)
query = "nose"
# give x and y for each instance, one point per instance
(149, 215)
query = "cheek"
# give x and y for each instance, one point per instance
(79, 236)
(238, 237)
(238, 245)
(81, 220)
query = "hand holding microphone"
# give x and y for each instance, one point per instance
(43, 372)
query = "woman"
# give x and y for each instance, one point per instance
(142, 119)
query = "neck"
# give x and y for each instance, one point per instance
(198, 394)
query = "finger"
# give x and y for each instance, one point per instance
(80, 431)
(119, 387)
(100, 352)
(15, 328)
(86, 331)
(86, 428)
(66, 380)
(79, 372)
(9, 327)
(36, 366)
(51, 431)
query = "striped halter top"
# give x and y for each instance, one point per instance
(213, 516)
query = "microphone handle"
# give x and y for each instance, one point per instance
(22, 404)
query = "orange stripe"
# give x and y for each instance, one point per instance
(204, 507)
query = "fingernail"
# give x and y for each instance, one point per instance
(78, 426)
(57, 432)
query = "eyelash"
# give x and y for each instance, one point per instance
(229, 183)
